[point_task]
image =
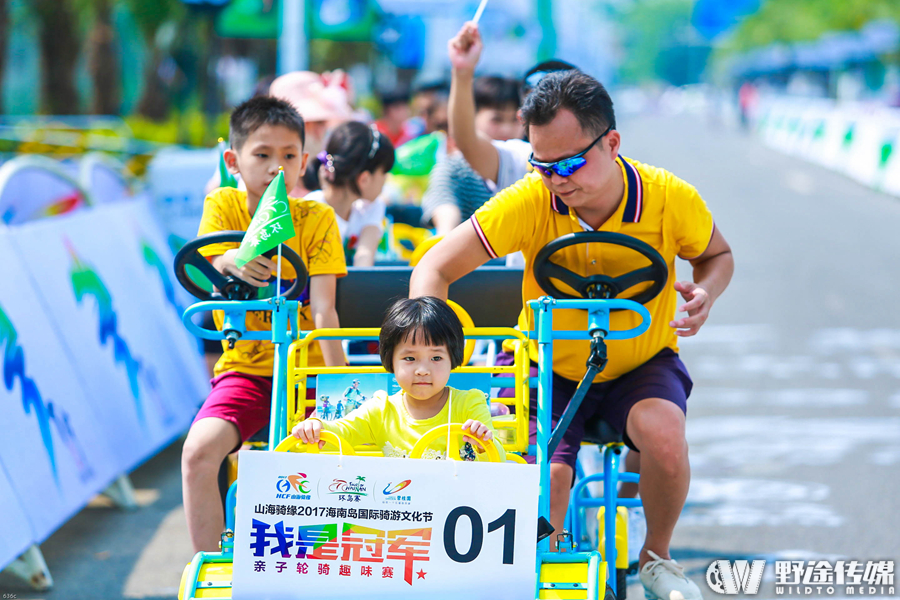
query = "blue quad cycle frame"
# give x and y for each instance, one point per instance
(209, 574)
(597, 295)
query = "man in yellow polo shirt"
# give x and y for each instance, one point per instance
(581, 183)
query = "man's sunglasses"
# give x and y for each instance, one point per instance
(566, 166)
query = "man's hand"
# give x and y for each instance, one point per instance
(309, 432)
(256, 272)
(697, 307)
(465, 49)
(478, 430)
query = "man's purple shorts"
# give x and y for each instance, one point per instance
(663, 376)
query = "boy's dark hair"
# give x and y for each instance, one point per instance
(427, 320)
(496, 92)
(432, 87)
(395, 96)
(575, 91)
(263, 110)
(351, 149)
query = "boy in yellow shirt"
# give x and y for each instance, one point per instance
(265, 134)
(421, 341)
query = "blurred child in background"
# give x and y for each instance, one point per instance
(351, 170)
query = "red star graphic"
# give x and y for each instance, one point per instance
(421, 574)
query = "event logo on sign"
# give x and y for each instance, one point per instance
(293, 487)
(388, 490)
(389, 495)
(45, 411)
(350, 491)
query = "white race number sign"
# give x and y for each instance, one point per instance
(326, 526)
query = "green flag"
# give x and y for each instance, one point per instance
(417, 157)
(271, 223)
(226, 179)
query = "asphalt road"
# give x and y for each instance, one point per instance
(794, 423)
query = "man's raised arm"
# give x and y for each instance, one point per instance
(465, 50)
(456, 255)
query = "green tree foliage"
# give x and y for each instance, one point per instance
(327, 55)
(4, 40)
(151, 16)
(651, 30)
(103, 61)
(59, 42)
(66, 28)
(789, 21)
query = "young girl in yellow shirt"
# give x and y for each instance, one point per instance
(421, 341)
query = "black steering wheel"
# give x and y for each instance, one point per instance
(230, 287)
(600, 286)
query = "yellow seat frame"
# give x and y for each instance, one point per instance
(299, 370)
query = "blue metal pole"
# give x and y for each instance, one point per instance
(598, 320)
(610, 502)
(544, 326)
(278, 412)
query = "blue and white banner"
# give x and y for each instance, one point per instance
(17, 535)
(103, 180)
(99, 373)
(100, 298)
(52, 446)
(143, 242)
(32, 190)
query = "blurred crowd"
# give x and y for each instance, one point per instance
(453, 145)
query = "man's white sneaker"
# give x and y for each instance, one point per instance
(664, 579)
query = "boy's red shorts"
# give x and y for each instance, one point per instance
(242, 399)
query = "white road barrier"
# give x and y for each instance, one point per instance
(860, 140)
